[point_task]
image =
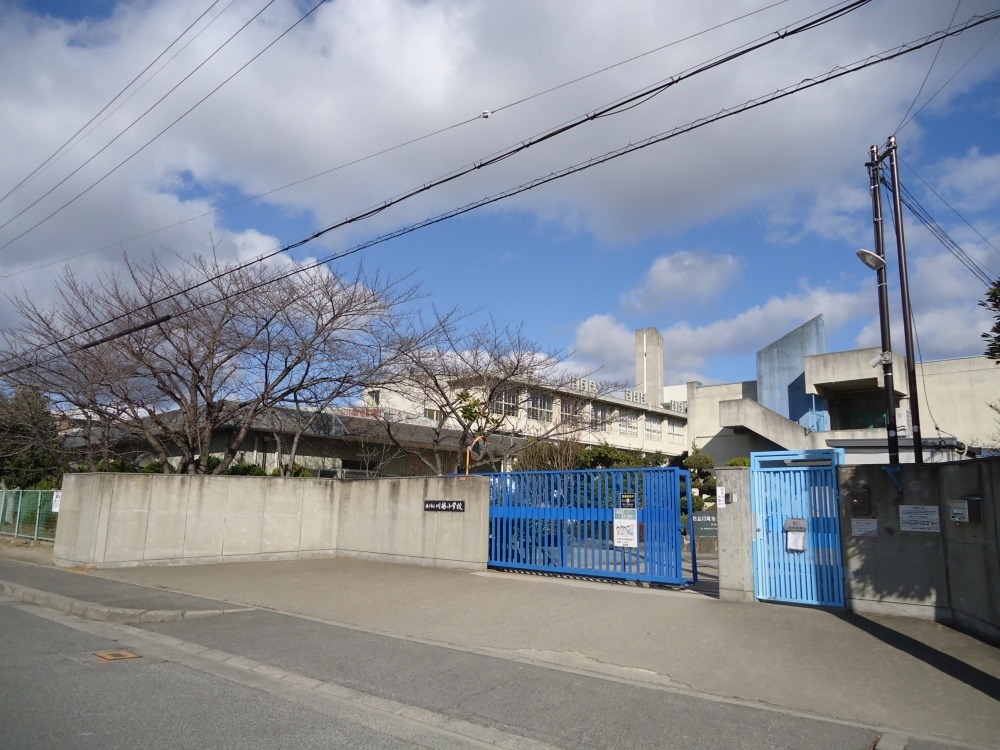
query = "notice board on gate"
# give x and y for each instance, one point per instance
(626, 522)
(626, 528)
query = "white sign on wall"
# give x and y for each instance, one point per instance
(864, 527)
(919, 518)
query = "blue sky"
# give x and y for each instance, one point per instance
(724, 238)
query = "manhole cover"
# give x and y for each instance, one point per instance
(116, 655)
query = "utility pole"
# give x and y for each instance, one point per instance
(875, 171)
(904, 286)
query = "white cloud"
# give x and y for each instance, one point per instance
(602, 341)
(681, 278)
(605, 347)
(361, 76)
(972, 182)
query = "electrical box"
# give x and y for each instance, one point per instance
(966, 510)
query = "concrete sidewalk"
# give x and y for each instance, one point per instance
(894, 674)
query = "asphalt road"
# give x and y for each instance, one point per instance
(264, 679)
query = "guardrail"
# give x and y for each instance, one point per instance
(28, 514)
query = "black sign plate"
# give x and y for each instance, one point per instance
(705, 524)
(628, 500)
(449, 506)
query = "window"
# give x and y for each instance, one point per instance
(599, 417)
(675, 431)
(571, 411)
(628, 423)
(654, 429)
(434, 414)
(505, 404)
(540, 407)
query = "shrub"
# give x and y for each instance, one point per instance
(298, 470)
(245, 470)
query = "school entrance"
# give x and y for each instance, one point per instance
(624, 524)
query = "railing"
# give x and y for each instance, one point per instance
(28, 514)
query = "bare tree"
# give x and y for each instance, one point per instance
(485, 393)
(555, 455)
(208, 350)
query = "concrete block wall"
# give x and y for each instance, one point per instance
(951, 575)
(125, 520)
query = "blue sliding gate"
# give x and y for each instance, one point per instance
(796, 550)
(607, 523)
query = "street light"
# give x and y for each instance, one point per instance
(871, 260)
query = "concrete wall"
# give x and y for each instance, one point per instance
(951, 575)
(955, 394)
(125, 520)
(852, 371)
(781, 369)
(735, 520)
(704, 421)
(749, 415)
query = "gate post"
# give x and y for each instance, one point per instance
(736, 533)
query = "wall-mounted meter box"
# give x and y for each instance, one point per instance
(966, 510)
(861, 503)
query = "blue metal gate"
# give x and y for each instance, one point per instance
(608, 523)
(796, 551)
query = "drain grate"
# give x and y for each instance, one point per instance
(116, 655)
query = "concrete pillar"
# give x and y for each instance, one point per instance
(736, 534)
(649, 365)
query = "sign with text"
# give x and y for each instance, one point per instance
(864, 527)
(449, 506)
(705, 524)
(919, 518)
(628, 500)
(626, 528)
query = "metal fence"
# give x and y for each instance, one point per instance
(28, 514)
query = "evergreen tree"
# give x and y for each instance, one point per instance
(31, 452)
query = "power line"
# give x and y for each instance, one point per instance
(639, 56)
(159, 70)
(155, 137)
(123, 132)
(950, 79)
(952, 208)
(929, 69)
(629, 101)
(803, 85)
(922, 215)
(813, 20)
(103, 109)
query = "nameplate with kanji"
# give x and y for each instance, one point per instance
(449, 506)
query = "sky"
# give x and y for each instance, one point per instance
(724, 237)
